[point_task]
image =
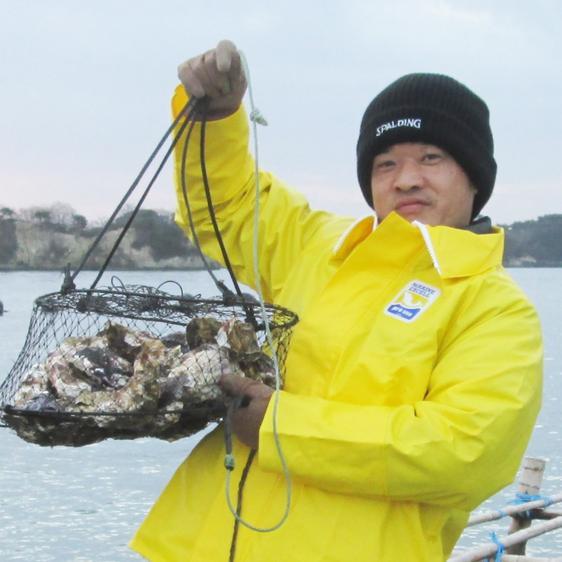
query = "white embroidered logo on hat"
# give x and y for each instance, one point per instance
(411, 301)
(415, 122)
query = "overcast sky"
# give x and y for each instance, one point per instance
(85, 89)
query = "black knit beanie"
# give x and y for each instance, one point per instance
(434, 109)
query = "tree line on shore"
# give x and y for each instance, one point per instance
(50, 237)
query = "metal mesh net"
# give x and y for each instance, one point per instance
(134, 362)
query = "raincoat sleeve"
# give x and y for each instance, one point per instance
(456, 447)
(286, 223)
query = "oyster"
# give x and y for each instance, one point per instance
(201, 330)
(242, 342)
(124, 341)
(34, 385)
(238, 336)
(81, 364)
(140, 394)
(175, 339)
(196, 374)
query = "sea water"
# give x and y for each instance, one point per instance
(83, 504)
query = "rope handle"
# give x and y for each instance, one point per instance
(68, 282)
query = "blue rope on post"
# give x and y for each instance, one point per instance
(521, 498)
(501, 547)
(524, 498)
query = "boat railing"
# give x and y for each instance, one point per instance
(528, 506)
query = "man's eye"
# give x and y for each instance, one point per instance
(432, 157)
(384, 164)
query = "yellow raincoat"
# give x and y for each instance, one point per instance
(412, 383)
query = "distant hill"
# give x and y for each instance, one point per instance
(534, 243)
(49, 238)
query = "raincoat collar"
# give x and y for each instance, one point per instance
(454, 252)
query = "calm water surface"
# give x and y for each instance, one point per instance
(83, 504)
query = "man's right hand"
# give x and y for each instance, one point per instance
(217, 74)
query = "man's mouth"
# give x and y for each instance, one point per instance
(410, 206)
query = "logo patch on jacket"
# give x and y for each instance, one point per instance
(411, 301)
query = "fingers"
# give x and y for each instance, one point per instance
(217, 75)
(219, 81)
(248, 416)
(251, 399)
(236, 75)
(199, 76)
(246, 422)
(213, 73)
(210, 78)
(226, 52)
(233, 385)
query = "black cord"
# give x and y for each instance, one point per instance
(187, 107)
(241, 484)
(143, 197)
(210, 205)
(229, 298)
(234, 404)
(183, 181)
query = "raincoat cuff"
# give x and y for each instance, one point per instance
(181, 97)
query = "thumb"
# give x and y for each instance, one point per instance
(225, 53)
(233, 385)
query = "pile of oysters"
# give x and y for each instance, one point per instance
(123, 383)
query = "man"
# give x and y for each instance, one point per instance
(414, 375)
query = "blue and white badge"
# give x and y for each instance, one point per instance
(411, 301)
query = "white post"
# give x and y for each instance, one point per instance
(532, 471)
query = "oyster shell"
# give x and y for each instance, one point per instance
(35, 384)
(124, 341)
(201, 331)
(240, 338)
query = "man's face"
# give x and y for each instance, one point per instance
(421, 182)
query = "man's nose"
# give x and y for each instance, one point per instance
(409, 176)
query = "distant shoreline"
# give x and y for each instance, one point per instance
(62, 269)
(35, 239)
(129, 269)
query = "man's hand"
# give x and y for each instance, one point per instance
(217, 74)
(246, 420)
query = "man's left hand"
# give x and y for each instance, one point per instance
(247, 419)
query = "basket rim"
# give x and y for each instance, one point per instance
(42, 301)
(213, 410)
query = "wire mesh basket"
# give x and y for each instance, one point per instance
(134, 361)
